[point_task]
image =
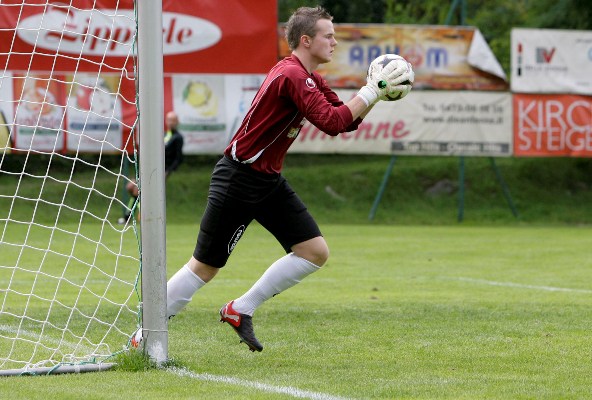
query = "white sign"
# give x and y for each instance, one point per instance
(423, 123)
(98, 32)
(551, 61)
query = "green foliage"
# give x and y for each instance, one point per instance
(494, 18)
(414, 12)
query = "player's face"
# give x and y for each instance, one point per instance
(323, 44)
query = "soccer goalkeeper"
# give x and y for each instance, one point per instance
(247, 183)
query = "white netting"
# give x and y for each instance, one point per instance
(68, 270)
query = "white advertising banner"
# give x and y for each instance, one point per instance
(211, 107)
(39, 114)
(6, 112)
(199, 103)
(448, 123)
(93, 114)
(551, 61)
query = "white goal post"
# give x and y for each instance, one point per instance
(79, 110)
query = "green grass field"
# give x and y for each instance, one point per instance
(399, 312)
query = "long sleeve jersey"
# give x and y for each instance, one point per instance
(287, 97)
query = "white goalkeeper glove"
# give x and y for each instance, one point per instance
(382, 84)
(371, 91)
(398, 87)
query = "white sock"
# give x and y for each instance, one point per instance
(281, 275)
(180, 289)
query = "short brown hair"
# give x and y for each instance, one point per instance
(303, 22)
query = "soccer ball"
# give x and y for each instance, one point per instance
(136, 339)
(382, 61)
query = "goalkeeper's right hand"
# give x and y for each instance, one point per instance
(370, 92)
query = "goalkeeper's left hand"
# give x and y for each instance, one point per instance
(375, 80)
(399, 86)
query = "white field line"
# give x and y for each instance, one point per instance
(264, 387)
(34, 337)
(523, 286)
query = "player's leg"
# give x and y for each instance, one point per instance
(284, 273)
(185, 282)
(287, 218)
(223, 223)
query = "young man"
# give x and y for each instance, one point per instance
(173, 157)
(247, 184)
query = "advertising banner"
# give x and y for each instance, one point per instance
(39, 113)
(213, 36)
(203, 37)
(58, 113)
(37, 36)
(88, 104)
(210, 107)
(424, 123)
(94, 113)
(443, 57)
(6, 112)
(552, 125)
(551, 61)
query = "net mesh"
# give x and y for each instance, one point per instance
(68, 270)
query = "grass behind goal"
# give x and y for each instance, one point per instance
(68, 293)
(399, 312)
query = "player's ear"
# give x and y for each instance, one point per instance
(305, 40)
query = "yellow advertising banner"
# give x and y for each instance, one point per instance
(443, 57)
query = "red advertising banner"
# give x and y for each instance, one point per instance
(38, 35)
(552, 125)
(210, 36)
(198, 36)
(69, 68)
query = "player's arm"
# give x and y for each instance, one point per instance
(358, 107)
(368, 109)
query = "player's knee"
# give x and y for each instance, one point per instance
(315, 250)
(322, 256)
(204, 271)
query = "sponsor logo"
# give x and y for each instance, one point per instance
(543, 55)
(519, 60)
(310, 83)
(236, 237)
(112, 32)
(235, 318)
(437, 57)
(295, 130)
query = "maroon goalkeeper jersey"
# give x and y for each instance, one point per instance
(287, 97)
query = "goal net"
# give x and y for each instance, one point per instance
(69, 271)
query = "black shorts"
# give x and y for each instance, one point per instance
(237, 196)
